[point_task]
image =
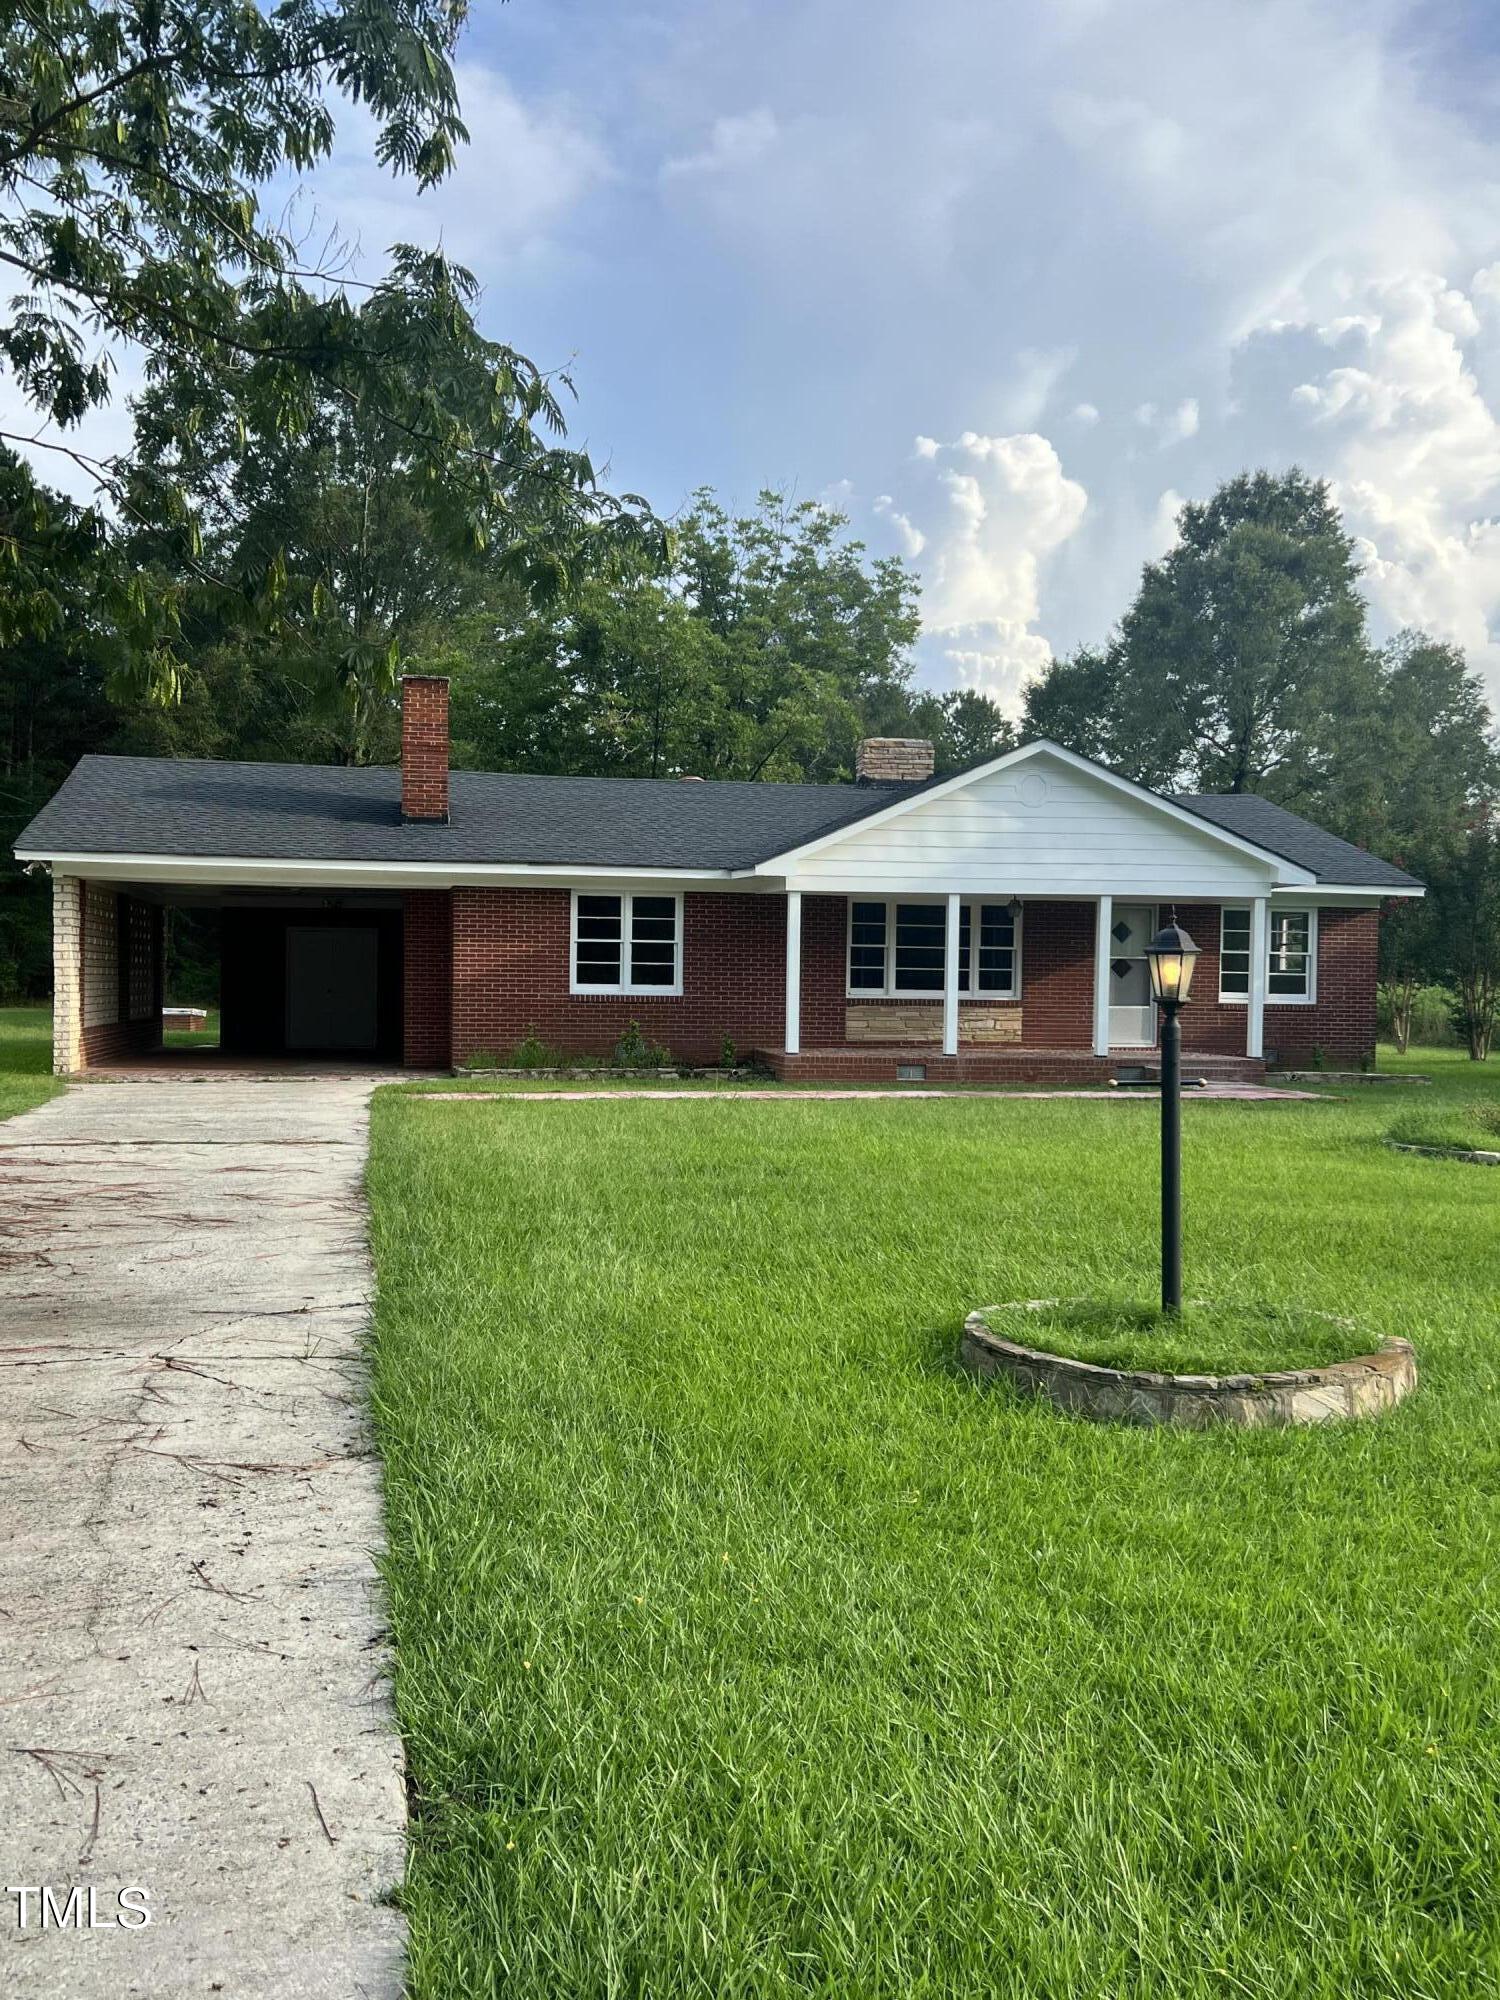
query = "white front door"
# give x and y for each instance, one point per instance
(330, 987)
(1132, 1012)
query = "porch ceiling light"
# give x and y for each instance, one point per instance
(1171, 956)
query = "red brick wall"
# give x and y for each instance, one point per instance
(1057, 975)
(424, 747)
(511, 976)
(509, 969)
(1340, 1023)
(1056, 982)
(427, 978)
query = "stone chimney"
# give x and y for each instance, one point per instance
(893, 760)
(424, 748)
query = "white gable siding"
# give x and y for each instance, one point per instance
(1040, 828)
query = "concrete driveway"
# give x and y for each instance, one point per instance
(193, 1673)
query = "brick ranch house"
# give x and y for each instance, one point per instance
(988, 926)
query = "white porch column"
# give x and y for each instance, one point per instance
(950, 978)
(1104, 917)
(792, 1039)
(1255, 1024)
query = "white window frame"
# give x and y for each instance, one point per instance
(1240, 910)
(1307, 999)
(626, 899)
(932, 994)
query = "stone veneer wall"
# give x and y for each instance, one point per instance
(978, 1021)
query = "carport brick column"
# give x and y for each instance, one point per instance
(67, 975)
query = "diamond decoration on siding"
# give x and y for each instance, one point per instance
(1120, 932)
(1120, 966)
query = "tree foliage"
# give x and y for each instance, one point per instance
(133, 140)
(1243, 651)
(1466, 898)
(770, 648)
(132, 146)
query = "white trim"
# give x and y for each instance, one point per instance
(792, 1039)
(1149, 1027)
(1343, 892)
(1286, 871)
(256, 871)
(625, 898)
(1260, 939)
(1104, 916)
(1310, 997)
(930, 993)
(1260, 959)
(951, 925)
(1247, 910)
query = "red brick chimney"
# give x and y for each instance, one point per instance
(424, 748)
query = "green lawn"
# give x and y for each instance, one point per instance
(746, 1649)
(25, 1059)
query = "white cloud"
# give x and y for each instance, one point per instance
(992, 511)
(1172, 426)
(529, 165)
(1137, 198)
(1165, 532)
(733, 142)
(912, 540)
(1412, 445)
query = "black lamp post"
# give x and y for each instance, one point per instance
(1171, 956)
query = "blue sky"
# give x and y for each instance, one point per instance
(1005, 281)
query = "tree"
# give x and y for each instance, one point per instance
(769, 649)
(57, 644)
(132, 143)
(1467, 898)
(1408, 959)
(359, 548)
(965, 727)
(1421, 762)
(1073, 703)
(1243, 658)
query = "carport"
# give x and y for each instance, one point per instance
(302, 974)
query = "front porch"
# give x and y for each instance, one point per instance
(982, 988)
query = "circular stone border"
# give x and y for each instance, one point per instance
(1365, 1386)
(1473, 1156)
(1343, 1076)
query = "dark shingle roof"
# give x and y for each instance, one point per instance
(314, 812)
(1283, 832)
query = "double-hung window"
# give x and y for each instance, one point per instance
(1234, 955)
(1289, 969)
(1291, 956)
(627, 944)
(897, 950)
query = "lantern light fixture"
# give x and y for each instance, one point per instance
(1172, 956)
